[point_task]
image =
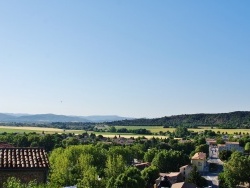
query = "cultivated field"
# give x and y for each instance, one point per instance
(153, 129)
(110, 135)
(12, 129)
(156, 129)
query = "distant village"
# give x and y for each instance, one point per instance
(34, 162)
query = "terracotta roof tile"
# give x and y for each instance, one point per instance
(171, 174)
(199, 155)
(23, 158)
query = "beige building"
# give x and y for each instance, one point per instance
(185, 171)
(199, 160)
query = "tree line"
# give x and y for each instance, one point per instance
(221, 120)
(88, 160)
(112, 129)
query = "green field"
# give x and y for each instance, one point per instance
(153, 129)
(156, 129)
(10, 129)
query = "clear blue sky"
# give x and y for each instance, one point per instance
(130, 58)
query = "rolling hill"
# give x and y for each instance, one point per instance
(239, 119)
(43, 118)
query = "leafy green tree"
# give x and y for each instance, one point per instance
(223, 181)
(209, 133)
(200, 141)
(70, 141)
(202, 148)
(247, 147)
(149, 175)
(150, 154)
(170, 161)
(186, 147)
(89, 173)
(111, 183)
(115, 165)
(225, 155)
(48, 142)
(220, 141)
(244, 140)
(236, 170)
(112, 129)
(61, 168)
(34, 144)
(99, 156)
(125, 152)
(131, 178)
(34, 138)
(137, 151)
(69, 165)
(90, 179)
(12, 183)
(196, 178)
(21, 141)
(181, 132)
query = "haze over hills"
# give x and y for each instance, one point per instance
(9, 117)
(239, 119)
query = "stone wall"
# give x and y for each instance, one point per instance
(24, 175)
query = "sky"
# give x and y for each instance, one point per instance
(129, 58)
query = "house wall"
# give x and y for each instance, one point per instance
(185, 171)
(175, 179)
(230, 147)
(234, 147)
(24, 175)
(199, 163)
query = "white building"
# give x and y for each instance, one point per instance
(232, 146)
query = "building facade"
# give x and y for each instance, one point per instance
(26, 164)
(232, 146)
(199, 160)
(185, 171)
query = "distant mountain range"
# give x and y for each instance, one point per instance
(36, 118)
(239, 119)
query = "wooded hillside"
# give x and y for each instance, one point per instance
(239, 119)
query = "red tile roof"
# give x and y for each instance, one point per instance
(11, 158)
(171, 174)
(199, 155)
